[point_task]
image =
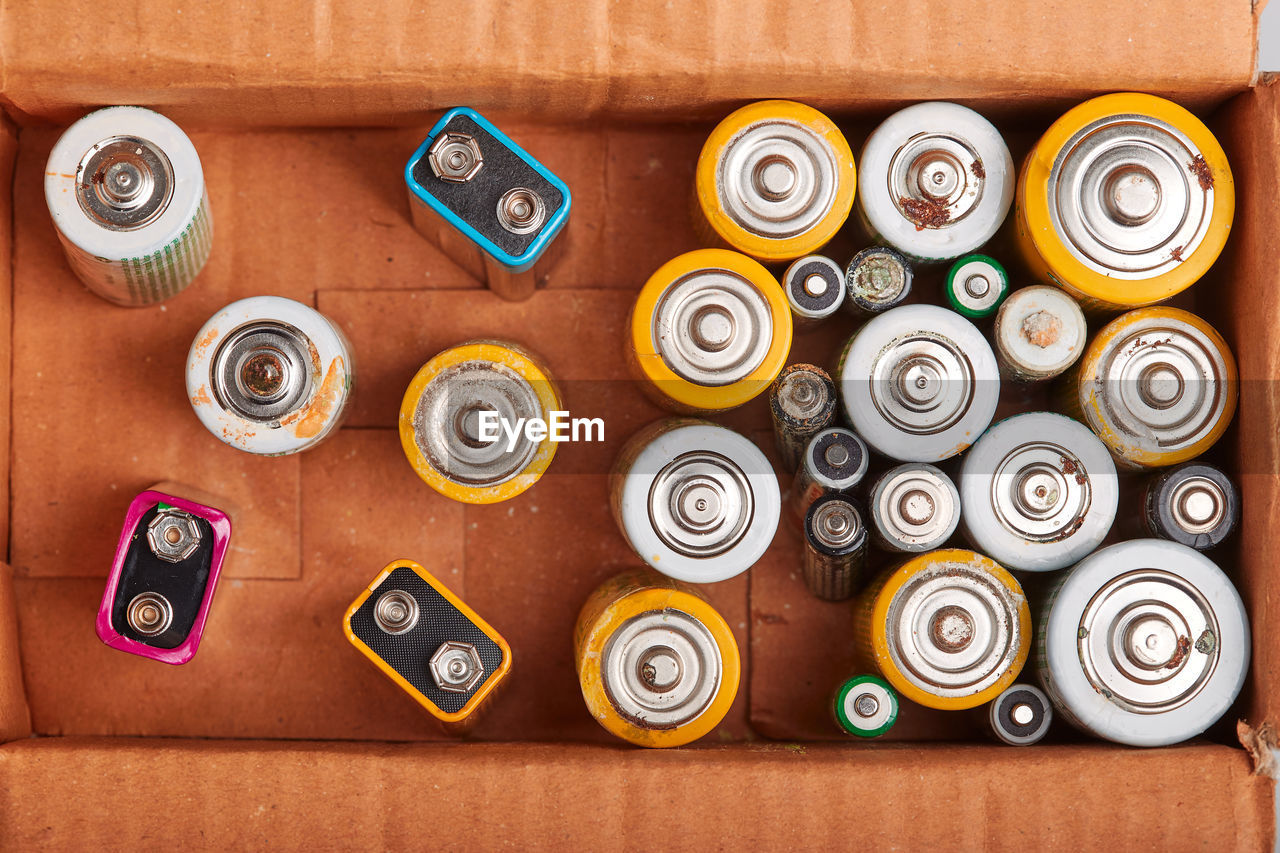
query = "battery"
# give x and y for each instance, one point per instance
(270, 376)
(696, 501)
(835, 552)
(461, 421)
(1158, 385)
(814, 285)
(866, 706)
(976, 286)
(126, 192)
(163, 577)
(710, 330)
(1039, 492)
(1039, 332)
(1126, 200)
(1144, 643)
(877, 279)
(937, 181)
(658, 666)
(914, 508)
(1020, 716)
(802, 401)
(834, 460)
(775, 180)
(429, 642)
(487, 204)
(1193, 504)
(919, 383)
(949, 629)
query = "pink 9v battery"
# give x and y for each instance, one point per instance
(163, 577)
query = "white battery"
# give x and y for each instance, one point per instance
(1039, 492)
(815, 289)
(1039, 332)
(935, 181)
(1144, 643)
(914, 508)
(126, 192)
(919, 383)
(269, 375)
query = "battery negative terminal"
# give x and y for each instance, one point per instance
(173, 535)
(455, 157)
(456, 667)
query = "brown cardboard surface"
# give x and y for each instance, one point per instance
(296, 62)
(15, 717)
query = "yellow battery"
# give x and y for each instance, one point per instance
(463, 419)
(1125, 201)
(429, 642)
(710, 330)
(1158, 385)
(775, 180)
(949, 629)
(658, 666)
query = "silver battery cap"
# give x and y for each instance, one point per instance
(661, 669)
(712, 327)
(836, 459)
(914, 508)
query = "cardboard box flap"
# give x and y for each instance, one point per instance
(325, 63)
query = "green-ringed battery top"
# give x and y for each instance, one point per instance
(866, 706)
(976, 285)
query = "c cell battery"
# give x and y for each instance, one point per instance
(866, 706)
(1194, 504)
(835, 548)
(976, 286)
(1020, 716)
(126, 192)
(914, 508)
(1039, 332)
(487, 203)
(876, 279)
(802, 402)
(814, 285)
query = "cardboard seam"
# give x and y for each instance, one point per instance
(1261, 743)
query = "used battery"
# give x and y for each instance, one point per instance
(835, 551)
(458, 413)
(1020, 716)
(126, 192)
(775, 180)
(914, 508)
(976, 286)
(919, 383)
(1144, 643)
(1126, 200)
(658, 665)
(1194, 504)
(487, 203)
(270, 376)
(802, 401)
(1158, 385)
(866, 706)
(949, 629)
(429, 642)
(876, 279)
(937, 181)
(834, 460)
(163, 577)
(814, 285)
(1039, 332)
(696, 501)
(710, 330)
(1039, 492)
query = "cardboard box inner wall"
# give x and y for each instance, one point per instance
(317, 212)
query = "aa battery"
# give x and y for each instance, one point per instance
(696, 501)
(1194, 504)
(775, 180)
(1126, 200)
(658, 665)
(834, 460)
(487, 203)
(814, 286)
(163, 577)
(866, 706)
(1144, 643)
(1020, 716)
(126, 192)
(428, 642)
(270, 376)
(1158, 385)
(802, 401)
(914, 508)
(1040, 331)
(937, 181)
(877, 279)
(976, 286)
(949, 629)
(457, 414)
(835, 551)
(710, 330)
(919, 383)
(1039, 492)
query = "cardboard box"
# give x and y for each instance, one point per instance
(303, 114)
